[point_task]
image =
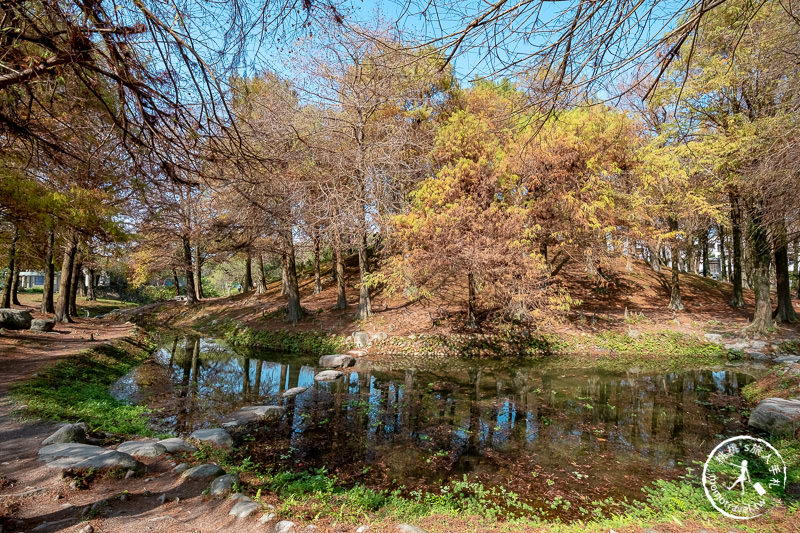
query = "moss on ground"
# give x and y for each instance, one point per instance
(306, 342)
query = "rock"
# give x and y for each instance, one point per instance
(181, 468)
(294, 391)
(217, 437)
(714, 338)
(162, 499)
(269, 517)
(757, 356)
(379, 336)
(757, 345)
(634, 333)
(738, 345)
(328, 375)
(788, 359)
(15, 319)
(243, 508)
(337, 361)
(405, 528)
(205, 471)
(362, 529)
(67, 433)
(42, 324)
(239, 496)
(142, 448)
(87, 529)
(223, 484)
(777, 416)
(361, 339)
(83, 456)
(175, 445)
(254, 413)
(285, 526)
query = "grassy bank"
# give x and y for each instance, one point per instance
(306, 342)
(77, 388)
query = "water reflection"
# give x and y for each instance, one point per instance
(580, 434)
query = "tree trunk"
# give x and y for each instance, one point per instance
(317, 275)
(261, 282)
(654, 259)
(248, 273)
(364, 304)
(675, 302)
(784, 312)
(627, 250)
(796, 266)
(62, 305)
(73, 291)
(90, 287)
(191, 292)
(198, 274)
(49, 275)
(760, 255)
(12, 259)
(177, 282)
(723, 262)
(472, 321)
(737, 300)
(284, 275)
(294, 309)
(15, 285)
(341, 297)
(704, 251)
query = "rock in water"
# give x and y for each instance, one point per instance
(200, 472)
(328, 375)
(294, 391)
(142, 448)
(776, 415)
(67, 433)
(15, 319)
(223, 484)
(254, 413)
(42, 324)
(175, 445)
(337, 361)
(217, 437)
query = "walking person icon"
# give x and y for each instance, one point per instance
(744, 474)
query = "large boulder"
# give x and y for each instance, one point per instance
(42, 324)
(223, 484)
(254, 413)
(216, 437)
(361, 339)
(67, 433)
(328, 375)
(337, 361)
(78, 456)
(777, 416)
(15, 319)
(175, 445)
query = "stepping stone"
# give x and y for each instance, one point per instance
(254, 413)
(83, 456)
(67, 433)
(142, 448)
(217, 437)
(205, 471)
(337, 361)
(787, 359)
(328, 375)
(223, 484)
(295, 391)
(243, 508)
(176, 445)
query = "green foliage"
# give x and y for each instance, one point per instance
(287, 341)
(152, 293)
(77, 389)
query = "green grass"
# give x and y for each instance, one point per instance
(77, 389)
(287, 341)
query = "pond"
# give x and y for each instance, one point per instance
(547, 434)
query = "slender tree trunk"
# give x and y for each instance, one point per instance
(364, 304)
(248, 273)
(627, 249)
(198, 274)
(177, 282)
(704, 250)
(472, 321)
(62, 305)
(188, 272)
(737, 300)
(341, 297)
(784, 312)
(49, 274)
(654, 259)
(317, 275)
(675, 302)
(796, 267)
(261, 282)
(12, 259)
(723, 262)
(15, 285)
(761, 257)
(284, 275)
(294, 310)
(90, 287)
(75, 284)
